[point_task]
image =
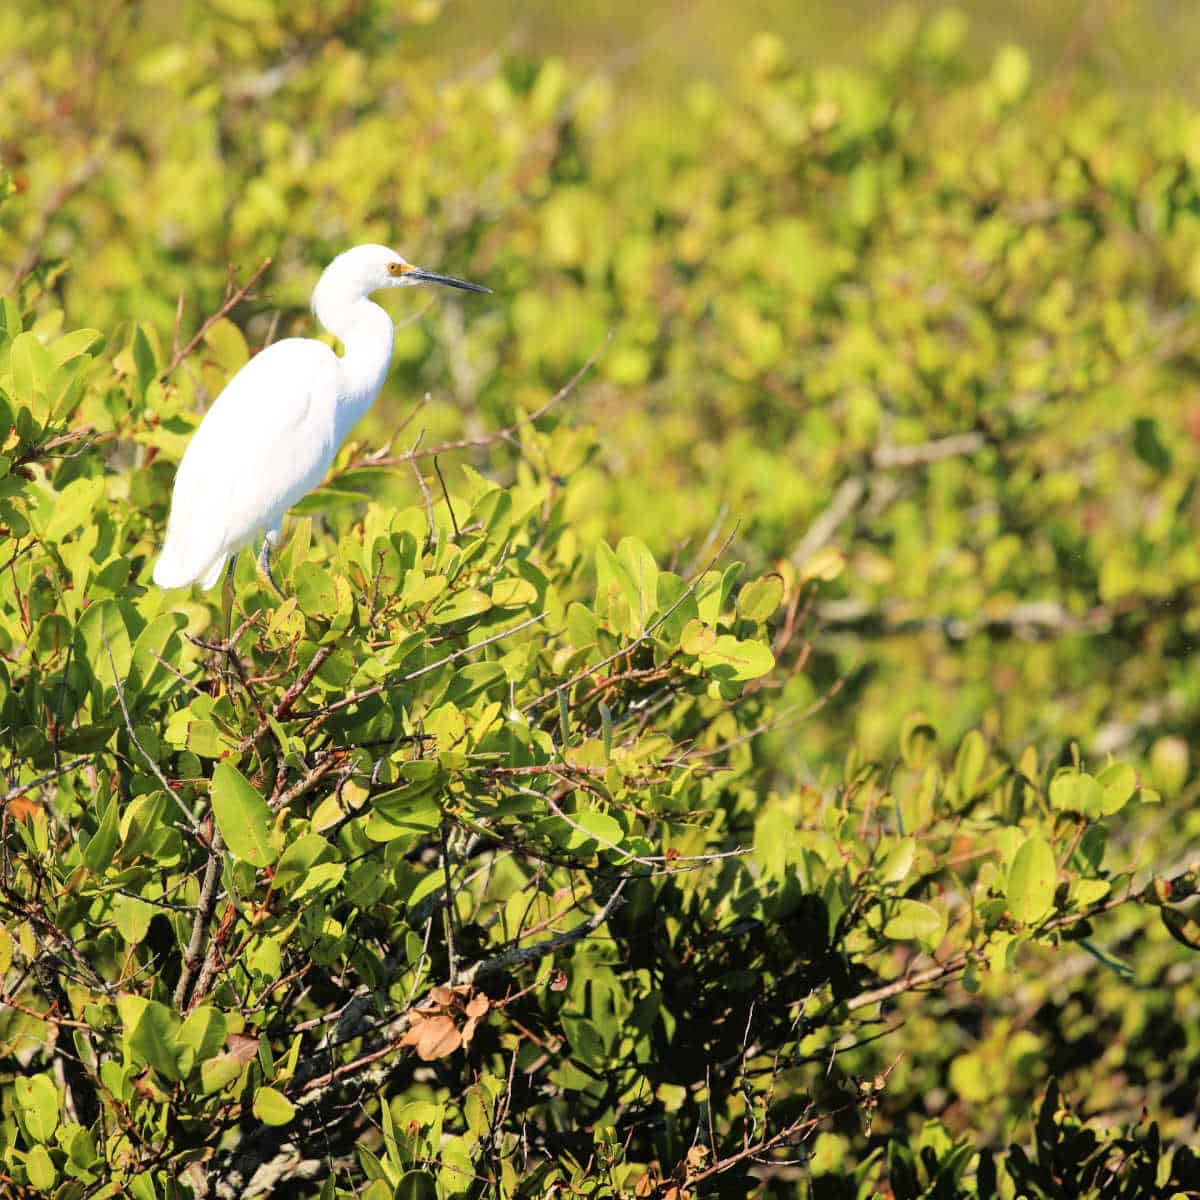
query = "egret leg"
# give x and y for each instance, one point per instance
(270, 541)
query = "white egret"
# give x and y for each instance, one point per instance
(272, 433)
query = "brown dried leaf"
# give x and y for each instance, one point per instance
(558, 981)
(441, 994)
(242, 1048)
(23, 808)
(468, 1030)
(645, 1186)
(438, 1038)
(478, 1005)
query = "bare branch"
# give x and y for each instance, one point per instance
(193, 958)
(923, 453)
(846, 498)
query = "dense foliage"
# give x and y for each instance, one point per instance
(683, 764)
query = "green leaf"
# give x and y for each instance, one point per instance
(77, 342)
(582, 626)
(1088, 891)
(616, 593)
(696, 638)
(918, 740)
(74, 506)
(599, 825)
(218, 1072)
(1149, 446)
(81, 1149)
(416, 1185)
(911, 920)
(39, 1166)
(469, 602)
(586, 1043)
(730, 658)
(154, 1039)
(37, 1104)
(1032, 879)
(1117, 784)
(642, 572)
(272, 1107)
(203, 1031)
(152, 643)
(323, 877)
(98, 854)
(296, 861)
(1011, 71)
(242, 816)
(132, 918)
(826, 565)
(759, 599)
(32, 367)
(968, 765)
(143, 359)
(1076, 792)
(899, 861)
(513, 593)
(101, 630)
(227, 345)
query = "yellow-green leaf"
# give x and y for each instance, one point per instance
(242, 816)
(272, 1107)
(1031, 881)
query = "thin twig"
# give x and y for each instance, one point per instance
(22, 788)
(288, 698)
(133, 737)
(645, 635)
(448, 905)
(430, 520)
(487, 641)
(519, 956)
(446, 496)
(231, 301)
(500, 435)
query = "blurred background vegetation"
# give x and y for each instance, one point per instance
(905, 291)
(1140, 45)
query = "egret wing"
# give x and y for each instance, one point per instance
(264, 443)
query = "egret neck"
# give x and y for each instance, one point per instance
(366, 333)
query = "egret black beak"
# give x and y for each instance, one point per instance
(421, 276)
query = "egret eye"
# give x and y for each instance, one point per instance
(397, 268)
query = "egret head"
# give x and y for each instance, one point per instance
(366, 269)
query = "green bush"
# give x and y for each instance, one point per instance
(701, 782)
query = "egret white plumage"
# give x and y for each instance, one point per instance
(272, 433)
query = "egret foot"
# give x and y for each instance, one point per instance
(264, 565)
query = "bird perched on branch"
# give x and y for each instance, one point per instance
(271, 435)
